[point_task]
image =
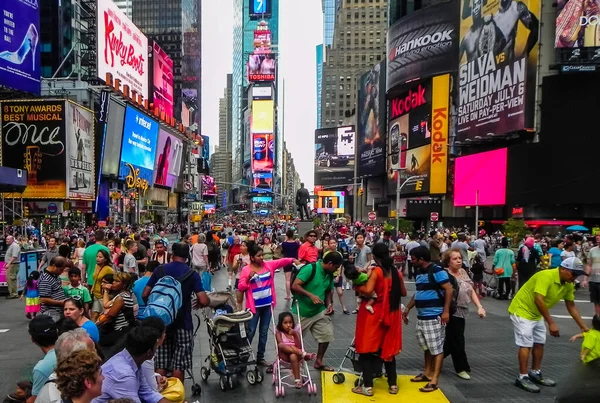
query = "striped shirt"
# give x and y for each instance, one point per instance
(427, 300)
(50, 286)
(261, 289)
(121, 320)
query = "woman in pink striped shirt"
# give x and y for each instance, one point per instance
(257, 281)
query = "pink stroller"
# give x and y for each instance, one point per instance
(282, 370)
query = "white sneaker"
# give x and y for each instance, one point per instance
(464, 375)
(347, 286)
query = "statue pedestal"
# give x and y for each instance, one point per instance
(303, 227)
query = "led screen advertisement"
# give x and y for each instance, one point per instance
(497, 67)
(371, 122)
(334, 156)
(423, 44)
(122, 48)
(169, 154)
(261, 67)
(208, 186)
(80, 138)
(260, 8)
(262, 199)
(210, 208)
(162, 81)
(113, 139)
(263, 118)
(140, 135)
(262, 38)
(263, 152)
(19, 50)
(262, 182)
(480, 179)
(329, 202)
(577, 24)
(34, 138)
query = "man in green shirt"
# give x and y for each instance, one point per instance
(312, 292)
(89, 256)
(531, 307)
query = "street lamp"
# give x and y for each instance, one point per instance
(398, 190)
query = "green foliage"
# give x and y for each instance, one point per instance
(404, 225)
(316, 222)
(515, 229)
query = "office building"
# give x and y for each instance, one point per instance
(359, 42)
(175, 25)
(329, 9)
(125, 5)
(220, 162)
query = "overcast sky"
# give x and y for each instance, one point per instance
(300, 30)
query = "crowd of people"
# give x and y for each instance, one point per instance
(88, 301)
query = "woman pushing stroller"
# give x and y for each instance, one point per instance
(257, 281)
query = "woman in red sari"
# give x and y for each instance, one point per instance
(379, 335)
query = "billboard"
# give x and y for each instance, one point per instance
(262, 182)
(262, 92)
(19, 50)
(262, 199)
(210, 208)
(208, 186)
(330, 202)
(80, 140)
(113, 139)
(481, 179)
(419, 129)
(497, 67)
(206, 148)
(122, 48)
(162, 81)
(263, 152)
(261, 67)
(577, 24)
(262, 38)
(371, 122)
(319, 60)
(34, 138)
(169, 155)
(138, 150)
(260, 9)
(334, 156)
(263, 118)
(423, 44)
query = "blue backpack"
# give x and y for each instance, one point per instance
(166, 297)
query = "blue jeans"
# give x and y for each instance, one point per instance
(264, 315)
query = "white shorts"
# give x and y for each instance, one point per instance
(528, 332)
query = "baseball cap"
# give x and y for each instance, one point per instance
(575, 265)
(42, 325)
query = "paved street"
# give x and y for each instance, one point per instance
(491, 352)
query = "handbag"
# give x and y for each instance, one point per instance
(174, 391)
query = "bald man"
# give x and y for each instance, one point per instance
(12, 266)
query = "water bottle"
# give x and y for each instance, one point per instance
(257, 280)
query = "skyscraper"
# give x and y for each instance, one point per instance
(125, 5)
(329, 9)
(358, 44)
(175, 25)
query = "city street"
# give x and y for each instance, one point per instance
(490, 348)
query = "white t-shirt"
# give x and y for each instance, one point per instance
(566, 254)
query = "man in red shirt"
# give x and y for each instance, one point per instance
(308, 252)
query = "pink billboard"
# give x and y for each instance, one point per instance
(162, 86)
(481, 179)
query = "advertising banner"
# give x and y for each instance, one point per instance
(210, 208)
(208, 186)
(423, 44)
(497, 67)
(169, 155)
(206, 148)
(371, 122)
(262, 182)
(113, 139)
(122, 48)
(577, 24)
(334, 156)
(418, 167)
(140, 134)
(263, 155)
(162, 81)
(262, 38)
(439, 137)
(261, 67)
(330, 202)
(34, 138)
(263, 118)
(19, 50)
(80, 140)
(262, 199)
(319, 83)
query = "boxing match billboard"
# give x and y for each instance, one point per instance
(497, 67)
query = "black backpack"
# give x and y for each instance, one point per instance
(455, 288)
(296, 271)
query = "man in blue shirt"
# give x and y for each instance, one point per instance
(433, 313)
(44, 334)
(123, 374)
(175, 354)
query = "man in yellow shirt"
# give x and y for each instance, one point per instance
(531, 307)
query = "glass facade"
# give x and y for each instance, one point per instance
(238, 73)
(56, 38)
(329, 7)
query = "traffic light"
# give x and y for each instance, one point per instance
(26, 211)
(419, 185)
(481, 223)
(361, 191)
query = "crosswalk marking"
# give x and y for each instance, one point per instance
(4, 330)
(569, 317)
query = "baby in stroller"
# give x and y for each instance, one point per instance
(290, 347)
(359, 278)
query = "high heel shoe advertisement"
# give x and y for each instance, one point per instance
(19, 45)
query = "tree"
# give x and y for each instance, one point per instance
(316, 222)
(515, 229)
(404, 225)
